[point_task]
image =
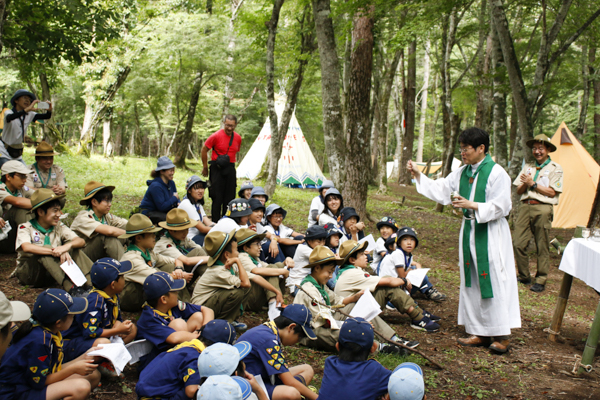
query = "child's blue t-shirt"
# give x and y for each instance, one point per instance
(26, 364)
(266, 358)
(154, 325)
(169, 373)
(98, 317)
(366, 380)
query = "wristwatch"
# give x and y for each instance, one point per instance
(534, 186)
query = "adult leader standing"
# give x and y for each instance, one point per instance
(225, 144)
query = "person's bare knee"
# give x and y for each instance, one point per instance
(195, 322)
(307, 372)
(76, 388)
(283, 392)
(178, 324)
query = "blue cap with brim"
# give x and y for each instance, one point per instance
(21, 93)
(192, 180)
(219, 331)
(357, 330)
(259, 191)
(222, 358)
(164, 163)
(54, 304)
(160, 283)
(406, 382)
(301, 316)
(222, 387)
(107, 270)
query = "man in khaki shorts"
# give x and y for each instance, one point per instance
(539, 184)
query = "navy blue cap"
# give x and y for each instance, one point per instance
(332, 229)
(255, 204)
(357, 330)
(315, 232)
(347, 213)
(388, 221)
(219, 331)
(106, 270)
(54, 304)
(407, 231)
(390, 241)
(160, 283)
(301, 316)
(21, 93)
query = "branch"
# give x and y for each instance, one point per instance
(466, 70)
(574, 37)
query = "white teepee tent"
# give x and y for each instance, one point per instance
(297, 165)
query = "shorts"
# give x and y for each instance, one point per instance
(24, 392)
(270, 388)
(73, 348)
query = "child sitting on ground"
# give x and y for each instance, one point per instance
(259, 193)
(10, 312)
(15, 201)
(387, 227)
(44, 243)
(267, 360)
(238, 212)
(245, 191)
(46, 175)
(193, 203)
(350, 225)
(353, 278)
(141, 240)
(255, 222)
(406, 383)
(315, 236)
(97, 226)
(33, 368)
(316, 205)
(225, 284)
(287, 238)
(332, 205)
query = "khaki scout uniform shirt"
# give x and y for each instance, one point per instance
(355, 280)
(85, 224)
(318, 313)
(167, 247)
(550, 176)
(4, 193)
(26, 233)
(140, 270)
(214, 279)
(55, 176)
(248, 265)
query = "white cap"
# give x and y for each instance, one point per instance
(12, 311)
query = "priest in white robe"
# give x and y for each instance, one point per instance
(489, 298)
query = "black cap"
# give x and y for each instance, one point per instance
(407, 231)
(315, 232)
(347, 213)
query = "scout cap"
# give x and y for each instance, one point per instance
(43, 196)
(259, 191)
(222, 387)
(137, 225)
(406, 382)
(192, 180)
(245, 186)
(274, 207)
(12, 311)
(107, 270)
(301, 316)
(222, 358)
(14, 166)
(163, 163)
(541, 138)
(315, 232)
(388, 221)
(90, 189)
(390, 241)
(357, 330)
(255, 204)
(238, 208)
(347, 213)
(350, 247)
(21, 93)
(160, 283)
(218, 331)
(178, 220)
(322, 255)
(54, 304)
(327, 184)
(407, 231)
(44, 149)
(214, 244)
(333, 230)
(245, 235)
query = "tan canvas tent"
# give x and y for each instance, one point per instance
(581, 173)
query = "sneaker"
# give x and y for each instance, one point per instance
(390, 306)
(431, 316)
(107, 369)
(433, 294)
(425, 324)
(239, 326)
(386, 348)
(81, 291)
(536, 287)
(408, 343)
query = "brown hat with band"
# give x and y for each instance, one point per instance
(138, 224)
(214, 244)
(178, 220)
(43, 196)
(541, 138)
(90, 189)
(322, 255)
(45, 149)
(350, 247)
(245, 235)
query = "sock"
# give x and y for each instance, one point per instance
(395, 338)
(272, 304)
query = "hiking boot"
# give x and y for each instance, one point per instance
(408, 343)
(425, 324)
(433, 294)
(386, 348)
(536, 287)
(524, 281)
(431, 316)
(474, 341)
(81, 291)
(500, 346)
(239, 326)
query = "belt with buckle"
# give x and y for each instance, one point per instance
(532, 202)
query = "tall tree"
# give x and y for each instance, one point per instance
(410, 94)
(499, 103)
(228, 90)
(424, 92)
(585, 97)
(596, 85)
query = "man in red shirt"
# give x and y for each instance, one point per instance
(223, 143)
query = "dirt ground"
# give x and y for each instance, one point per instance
(535, 368)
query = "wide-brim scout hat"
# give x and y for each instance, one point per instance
(238, 208)
(54, 304)
(164, 163)
(43, 196)
(139, 224)
(322, 255)
(91, 188)
(332, 229)
(12, 311)
(407, 231)
(192, 180)
(45, 149)
(541, 138)
(259, 191)
(178, 220)
(350, 247)
(21, 93)
(274, 207)
(214, 244)
(245, 186)
(246, 235)
(14, 166)
(388, 221)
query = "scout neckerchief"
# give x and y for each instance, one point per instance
(44, 185)
(15, 194)
(344, 269)
(102, 220)
(168, 316)
(482, 173)
(320, 288)
(254, 261)
(348, 235)
(195, 343)
(177, 243)
(271, 324)
(58, 342)
(46, 232)
(539, 167)
(145, 255)
(114, 300)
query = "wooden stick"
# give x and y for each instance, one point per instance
(376, 332)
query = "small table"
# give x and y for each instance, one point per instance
(581, 259)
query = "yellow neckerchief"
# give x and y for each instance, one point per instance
(168, 315)
(115, 302)
(271, 324)
(195, 343)
(58, 342)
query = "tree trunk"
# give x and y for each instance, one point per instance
(185, 137)
(514, 124)
(585, 98)
(482, 71)
(136, 136)
(398, 117)
(330, 90)
(227, 92)
(159, 129)
(499, 97)
(3, 14)
(424, 92)
(596, 85)
(409, 113)
(357, 165)
(106, 136)
(51, 133)
(449, 26)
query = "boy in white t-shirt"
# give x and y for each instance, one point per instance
(316, 205)
(238, 212)
(315, 236)
(387, 226)
(287, 238)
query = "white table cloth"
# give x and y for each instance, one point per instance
(581, 260)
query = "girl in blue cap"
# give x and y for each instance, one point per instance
(33, 366)
(161, 195)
